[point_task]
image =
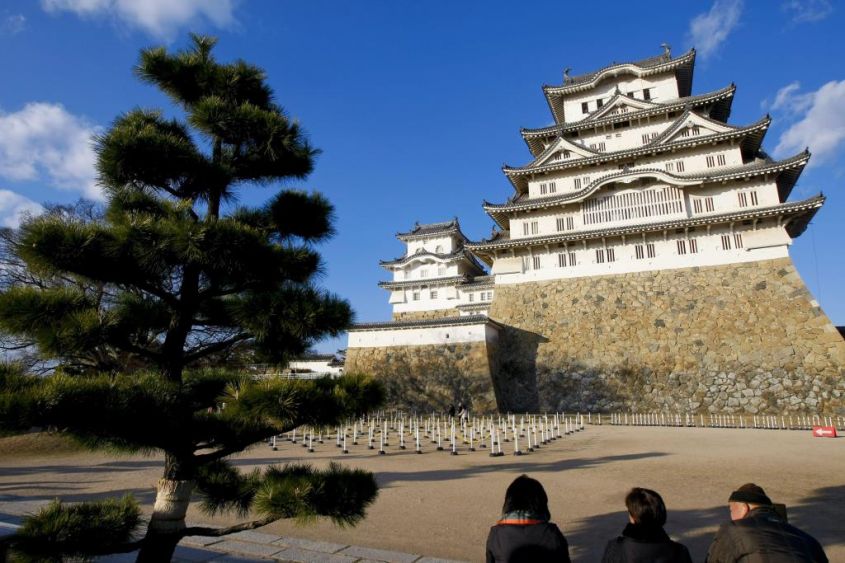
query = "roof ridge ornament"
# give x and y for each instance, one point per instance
(667, 51)
(566, 78)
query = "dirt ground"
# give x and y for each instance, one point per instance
(440, 505)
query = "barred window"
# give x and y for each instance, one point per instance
(536, 262)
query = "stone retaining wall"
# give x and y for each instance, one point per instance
(430, 378)
(738, 338)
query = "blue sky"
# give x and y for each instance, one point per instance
(416, 105)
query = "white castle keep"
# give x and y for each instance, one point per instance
(636, 176)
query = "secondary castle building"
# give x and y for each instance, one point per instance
(642, 262)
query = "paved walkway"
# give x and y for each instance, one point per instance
(242, 547)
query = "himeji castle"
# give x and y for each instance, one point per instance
(642, 262)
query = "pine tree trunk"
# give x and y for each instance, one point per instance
(167, 521)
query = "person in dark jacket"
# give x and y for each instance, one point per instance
(757, 533)
(643, 539)
(524, 534)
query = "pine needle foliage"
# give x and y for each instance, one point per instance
(135, 303)
(59, 530)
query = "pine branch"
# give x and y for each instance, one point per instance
(217, 532)
(196, 354)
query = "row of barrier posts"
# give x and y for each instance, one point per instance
(526, 433)
(764, 422)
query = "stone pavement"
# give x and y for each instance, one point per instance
(242, 547)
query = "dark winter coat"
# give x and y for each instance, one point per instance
(526, 541)
(764, 537)
(644, 544)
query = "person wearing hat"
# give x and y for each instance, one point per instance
(757, 533)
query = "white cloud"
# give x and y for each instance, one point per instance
(161, 18)
(12, 25)
(15, 207)
(708, 30)
(820, 121)
(803, 11)
(45, 142)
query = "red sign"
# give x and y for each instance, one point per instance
(824, 431)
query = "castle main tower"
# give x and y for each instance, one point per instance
(642, 261)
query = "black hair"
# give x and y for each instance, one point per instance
(527, 494)
(646, 507)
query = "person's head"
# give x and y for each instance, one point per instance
(527, 494)
(645, 507)
(745, 499)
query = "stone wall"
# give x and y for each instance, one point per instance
(738, 338)
(420, 315)
(430, 378)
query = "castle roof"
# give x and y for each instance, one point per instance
(458, 255)
(721, 109)
(798, 215)
(426, 323)
(428, 230)
(683, 67)
(787, 172)
(751, 137)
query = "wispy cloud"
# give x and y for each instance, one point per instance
(708, 30)
(160, 18)
(45, 142)
(802, 11)
(819, 120)
(12, 24)
(15, 207)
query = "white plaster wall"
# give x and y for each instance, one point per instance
(377, 338)
(316, 366)
(663, 87)
(769, 241)
(448, 244)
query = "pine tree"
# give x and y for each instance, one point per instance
(173, 274)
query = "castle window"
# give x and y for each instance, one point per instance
(611, 255)
(544, 188)
(649, 249)
(599, 256)
(526, 262)
(670, 166)
(693, 246)
(585, 108)
(424, 273)
(434, 294)
(680, 165)
(711, 162)
(646, 138)
(599, 103)
(726, 242)
(565, 154)
(646, 93)
(639, 251)
(720, 159)
(416, 296)
(685, 132)
(536, 262)
(743, 199)
(525, 228)
(441, 270)
(471, 297)
(696, 130)
(682, 246)
(754, 200)
(738, 240)
(565, 223)
(535, 227)
(552, 187)
(602, 147)
(576, 184)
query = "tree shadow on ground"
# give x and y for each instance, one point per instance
(385, 478)
(106, 467)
